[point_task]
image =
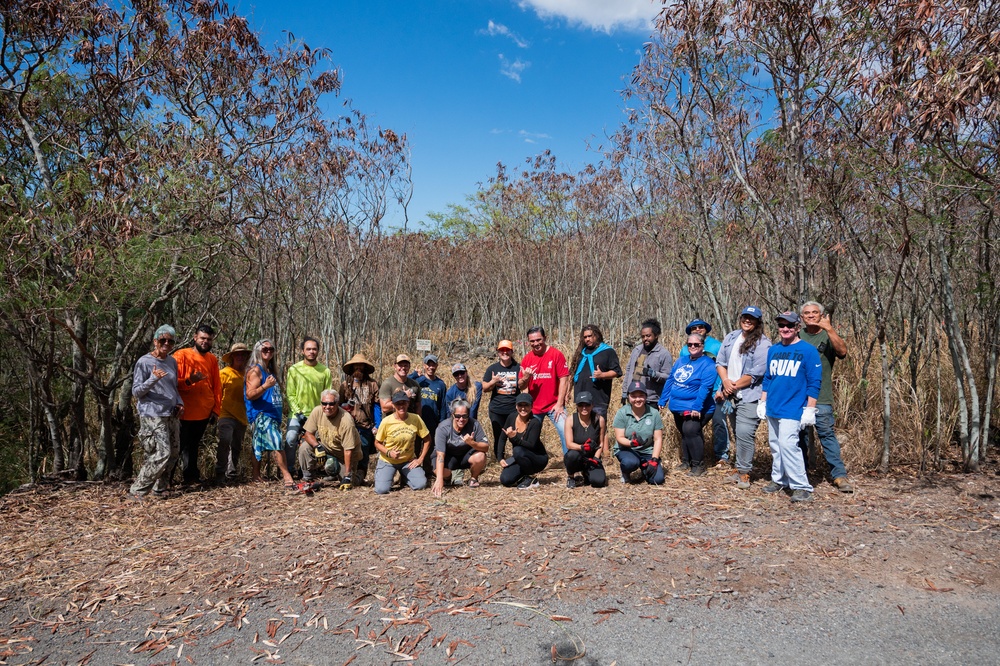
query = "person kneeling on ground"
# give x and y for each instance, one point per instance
(459, 443)
(396, 441)
(639, 437)
(529, 454)
(585, 441)
(330, 442)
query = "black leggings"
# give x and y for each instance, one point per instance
(526, 462)
(692, 440)
(499, 436)
(576, 463)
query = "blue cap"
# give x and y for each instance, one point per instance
(698, 322)
(791, 317)
(431, 358)
(753, 311)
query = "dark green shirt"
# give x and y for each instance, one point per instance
(827, 356)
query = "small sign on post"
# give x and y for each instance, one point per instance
(423, 345)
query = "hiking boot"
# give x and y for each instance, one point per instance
(685, 466)
(570, 482)
(743, 482)
(697, 470)
(801, 496)
(527, 482)
(773, 487)
(843, 485)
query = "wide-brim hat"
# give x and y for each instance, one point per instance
(227, 358)
(358, 359)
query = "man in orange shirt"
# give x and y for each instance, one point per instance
(200, 387)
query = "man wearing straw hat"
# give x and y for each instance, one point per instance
(232, 424)
(359, 398)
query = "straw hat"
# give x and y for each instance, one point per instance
(358, 359)
(227, 358)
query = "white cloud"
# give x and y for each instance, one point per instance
(512, 69)
(532, 137)
(499, 29)
(603, 15)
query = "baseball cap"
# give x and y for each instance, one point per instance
(584, 398)
(636, 387)
(753, 311)
(457, 368)
(791, 317)
(505, 344)
(523, 399)
(400, 396)
(431, 358)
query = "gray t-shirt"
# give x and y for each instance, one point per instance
(155, 398)
(446, 438)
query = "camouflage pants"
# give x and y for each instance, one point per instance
(160, 438)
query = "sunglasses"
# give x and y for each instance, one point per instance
(462, 416)
(266, 350)
(786, 326)
(695, 344)
(328, 404)
(166, 341)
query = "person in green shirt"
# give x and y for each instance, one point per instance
(819, 332)
(304, 383)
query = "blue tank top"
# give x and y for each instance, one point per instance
(269, 403)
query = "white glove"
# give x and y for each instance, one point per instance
(808, 418)
(762, 410)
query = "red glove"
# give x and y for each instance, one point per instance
(588, 448)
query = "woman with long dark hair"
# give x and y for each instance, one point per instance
(595, 366)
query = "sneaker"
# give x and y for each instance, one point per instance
(697, 470)
(773, 487)
(685, 466)
(626, 478)
(570, 482)
(722, 465)
(458, 477)
(527, 482)
(801, 496)
(743, 482)
(843, 485)
(734, 477)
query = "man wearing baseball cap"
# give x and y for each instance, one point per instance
(500, 379)
(432, 404)
(788, 401)
(399, 381)
(741, 363)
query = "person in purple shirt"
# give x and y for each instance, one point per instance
(791, 386)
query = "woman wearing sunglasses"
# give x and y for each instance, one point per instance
(154, 385)
(262, 395)
(459, 443)
(687, 393)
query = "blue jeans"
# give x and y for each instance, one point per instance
(720, 434)
(559, 423)
(831, 447)
(293, 432)
(632, 460)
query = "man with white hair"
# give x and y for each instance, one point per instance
(330, 441)
(819, 332)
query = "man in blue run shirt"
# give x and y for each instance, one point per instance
(788, 402)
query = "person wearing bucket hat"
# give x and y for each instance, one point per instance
(232, 424)
(720, 434)
(741, 363)
(790, 388)
(359, 397)
(500, 379)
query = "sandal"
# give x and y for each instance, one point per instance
(473, 483)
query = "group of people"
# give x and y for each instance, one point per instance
(742, 380)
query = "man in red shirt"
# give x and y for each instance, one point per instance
(200, 387)
(545, 375)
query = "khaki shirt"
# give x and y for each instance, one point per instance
(337, 435)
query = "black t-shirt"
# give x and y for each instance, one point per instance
(582, 434)
(503, 395)
(601, 389)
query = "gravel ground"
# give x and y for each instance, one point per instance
(904, 571)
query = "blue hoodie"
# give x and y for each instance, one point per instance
(689, 386)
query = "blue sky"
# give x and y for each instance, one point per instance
(474, 83)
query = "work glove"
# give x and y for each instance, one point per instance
(345, 482)
(588, 448)
(649, 372)
(320, 452)
(762, 410)
(727, 407)
(808, 418)
(650, 467)
(635, 443)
